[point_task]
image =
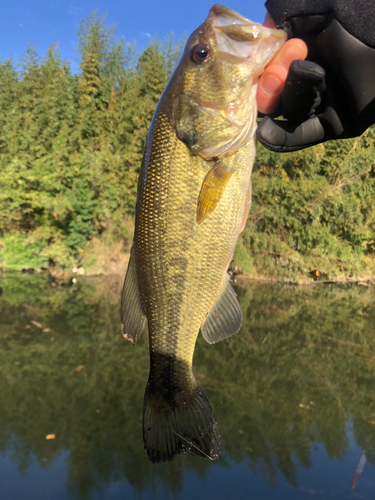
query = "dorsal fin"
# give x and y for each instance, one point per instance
(225, 317)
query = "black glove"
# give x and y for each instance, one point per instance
(332, 95)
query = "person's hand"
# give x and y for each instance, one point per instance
(271, 82)
(329, 96)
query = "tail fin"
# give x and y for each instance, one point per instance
(188, 426)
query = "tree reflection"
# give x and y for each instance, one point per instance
(301, 367)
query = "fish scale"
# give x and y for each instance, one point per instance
(169, 308)
(193, 198)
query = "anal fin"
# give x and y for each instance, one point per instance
(212, 190)
(225, 317)
(133, 318)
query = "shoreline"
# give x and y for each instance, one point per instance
(64, 276)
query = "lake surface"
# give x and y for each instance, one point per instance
(293, 393)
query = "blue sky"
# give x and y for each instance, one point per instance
(46, 22)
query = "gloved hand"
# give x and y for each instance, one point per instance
(332, 94)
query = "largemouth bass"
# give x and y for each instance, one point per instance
(193, 200)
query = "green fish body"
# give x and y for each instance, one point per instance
(194, 195)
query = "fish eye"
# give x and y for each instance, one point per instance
(200, 53)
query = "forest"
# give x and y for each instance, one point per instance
(71, 145)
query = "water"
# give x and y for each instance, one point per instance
(293, 393)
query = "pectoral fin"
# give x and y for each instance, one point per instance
(133, 318)
(225, 317)
(212, 190)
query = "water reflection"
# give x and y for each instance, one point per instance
(295, 384)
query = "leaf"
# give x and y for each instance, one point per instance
(35, 323)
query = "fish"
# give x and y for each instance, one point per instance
(193, 199)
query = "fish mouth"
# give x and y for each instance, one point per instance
(223, 16)
(240, 39)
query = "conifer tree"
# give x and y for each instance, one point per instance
(150, 80)
(8, 84)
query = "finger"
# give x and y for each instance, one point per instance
(281, 136)
(272, 80)
(302, 94)
(270, 88)
(295, 48)
(268, 23)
